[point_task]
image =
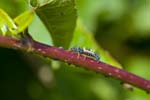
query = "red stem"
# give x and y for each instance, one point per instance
(30, 45)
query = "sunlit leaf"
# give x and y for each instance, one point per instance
(6, 23)
(24, 20)
(59, 16)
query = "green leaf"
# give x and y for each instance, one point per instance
(24, 20)
(83, 38)
(59, 16)
(14, 8)
(6, 23)
(34, 3)
(11, 27)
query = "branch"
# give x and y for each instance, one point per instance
(29, 45)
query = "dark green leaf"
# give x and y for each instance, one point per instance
(34, 3)
(59, 16)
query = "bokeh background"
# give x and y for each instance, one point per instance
(122, 27)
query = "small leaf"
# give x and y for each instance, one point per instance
(6, 23)
(59, 16)
(34, 3)
(24, 20)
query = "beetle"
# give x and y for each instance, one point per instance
(86, 51)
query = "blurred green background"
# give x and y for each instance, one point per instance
(122, 27)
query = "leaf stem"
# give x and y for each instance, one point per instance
(29, 45)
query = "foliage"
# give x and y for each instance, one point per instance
(19, 24)
(59, 16)
(53, 22)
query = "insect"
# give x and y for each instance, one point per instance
(86, 51)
